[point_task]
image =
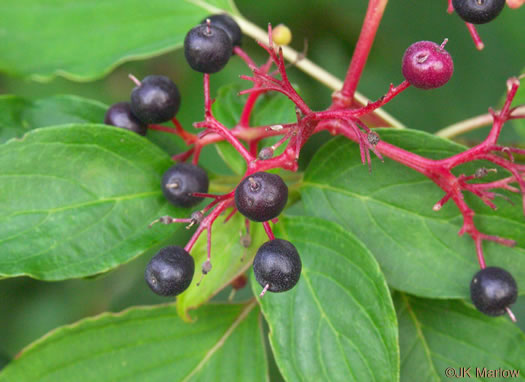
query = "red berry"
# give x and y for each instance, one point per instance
(426, 65)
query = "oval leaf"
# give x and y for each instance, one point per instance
(438, 335)
(390, 210)
(19, 115)
(85, 40)
(226, 255)
(149, 344)
(338, 323)
(77, 200)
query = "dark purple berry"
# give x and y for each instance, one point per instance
(478, 11)
(120, 115)
(492, 290)
(277, 265)
(182, 180)
(156, 100)
(426, 65)
(228, 24)
(207, 48)
(261, 196)
(170, 271)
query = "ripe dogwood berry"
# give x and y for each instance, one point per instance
(170, 271)
(156, 100)
(228, 24)
(182, 180)
(478, 11)
(492, 290)
(261, 196)
(277, 265)
(120, 115)
(427, 65)
(207, 48)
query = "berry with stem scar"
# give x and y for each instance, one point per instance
(427, 65)
(207, 48)
(170, 271)
(492, 290)
(155, 100)
(180, 181)
(261, 196)
(478, 11)
(277, 266)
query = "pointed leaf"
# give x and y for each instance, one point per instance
(338, 323)
(435, 335)
(19, 115)
(77, 200)
(84, 40)
(390, 210)
(149, 344)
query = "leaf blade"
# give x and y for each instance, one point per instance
(316, 336)
(76, 201)
(390, 210)
(436, 335)
(85, 41)
(148, 343)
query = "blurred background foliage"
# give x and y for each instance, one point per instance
(31, 308)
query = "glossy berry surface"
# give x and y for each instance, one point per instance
(261, 196)
(170, 271)
(120, 115)
(156, 100)
(278, 265)
(426, 65)
(228, 24)
(492, 290)
(207, 48)
(478, 11)
(181, 180)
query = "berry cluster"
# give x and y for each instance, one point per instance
(261, 196)
(156, 99)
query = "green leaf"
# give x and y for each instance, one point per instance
(390, 210)
(226, 255)
(435, 335)
(269, 109)
(19, 115)
(338, 323)
(84, 40)
(149, 344)
(76, 200)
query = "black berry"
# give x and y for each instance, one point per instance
(156, 100)
(261, 196)
(228, 24)
(426, 65)
(170, 271)
(120, 115)
(277, 265)
(492, 290)
(207, 48)
(181, 180)
(478, 11)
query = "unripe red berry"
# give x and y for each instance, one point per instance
(427, 65)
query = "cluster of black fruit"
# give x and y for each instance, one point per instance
(260, 196)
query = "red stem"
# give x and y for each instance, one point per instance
(372, 20)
